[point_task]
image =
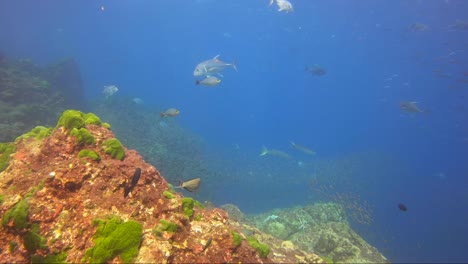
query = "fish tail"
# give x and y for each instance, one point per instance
(234, 65)
(264, 151)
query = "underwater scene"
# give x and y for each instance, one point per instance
(216, 131)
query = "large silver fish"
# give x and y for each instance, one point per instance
(212, 66)
(301, 148)
(274, 152)
(283, 5)
(209, 81)
(191, 185)
(410, 107)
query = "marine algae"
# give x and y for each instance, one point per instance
(88, 153)
(83, 136)
(262, 249)
(114, 148)
(6, 149)
(115, 238)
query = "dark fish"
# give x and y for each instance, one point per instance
(135, 178)
(402, 207)
(208, 243)
(191, 185)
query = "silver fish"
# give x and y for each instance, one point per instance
(274, 152)
(190, 185)
(302, 149)
(212, 66)
(283, 5)
(410, 107)
(209, 81)
(171, 112)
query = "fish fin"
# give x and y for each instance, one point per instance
(271, 2)
(220, 75)
(216, 58)
(234, 65)
(264, 151)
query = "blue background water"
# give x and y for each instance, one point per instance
(149, 50)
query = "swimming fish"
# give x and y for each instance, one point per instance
(316, 70)
(283, 5)
(208, 243)
(209, 81)
(190, 185)
(171, 112)
(109, 90)
(212, 66)
(274, 152)
(135, 178)
(410, 107)
(402, 207)
(302, 149)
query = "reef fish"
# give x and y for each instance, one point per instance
(410, 107)
(402, 207)
(302, 149)
(283, 5)
(190, 185)
(135, 178)
(171, 112)
(212, 66)
(109, 90)
(208, 243)
(274, 152)
(209, 81)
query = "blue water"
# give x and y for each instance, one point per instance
(149, 49)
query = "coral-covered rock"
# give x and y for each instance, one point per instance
(58, 206)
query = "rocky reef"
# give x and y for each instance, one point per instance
(32, 95)
(63, 200)
(321, 228)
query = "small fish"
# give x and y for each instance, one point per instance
(135, 178)
(190, 185)
(212, 66)
(138, 101)
(209, 81)
(302, 149)
(171, 112)
(410, 107)
(283, 5)
(415, 27)
(402, 207)
(274, 152)
(208, 243)
(109, 90)
(316, 70)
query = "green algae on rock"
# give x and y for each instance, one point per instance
(71, 119)
(88, 153)
(262, 249)
(92, 119)
(19, 214)
(6, 149)
(32, 241)
(237, 239)
(115, 238)
(187, 206)
(168, 195)
(83, 136)
(114, 148)
(39, 132)
(164, 225)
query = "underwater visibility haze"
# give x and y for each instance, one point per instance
(279, 107)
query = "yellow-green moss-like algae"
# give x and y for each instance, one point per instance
(187, 206)
(106, 125)
(164, 225)
(114, 148)
(198, 204)
(83, 136)
(38, 132)
(168, 195)
(262, 249)
(19, 214)
(71, 119)
(32, 241)
(237, 239)
(51, 258)
(6, 149)
(88, 153)
(92, 119)
(115, 238)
